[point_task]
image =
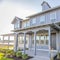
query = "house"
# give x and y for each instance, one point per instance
(39, 32)
(7, 41)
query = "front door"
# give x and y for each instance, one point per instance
(53, 41)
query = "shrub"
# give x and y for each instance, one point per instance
(24, 56)
(58, 55)
(10, 53)
(18, 54)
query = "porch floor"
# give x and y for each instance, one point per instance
(40, 55)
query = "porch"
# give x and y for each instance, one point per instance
(41, 42)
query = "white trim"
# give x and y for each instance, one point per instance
(45, 50)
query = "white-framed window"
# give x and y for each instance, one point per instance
(24, 24)
(53, 16)
(11, 37)
(42, 40)
(6, 38)
(42, 19)
(34, 21)
(28, 23)
(17, 24)
(46, 39)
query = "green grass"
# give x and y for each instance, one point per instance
(4, 58)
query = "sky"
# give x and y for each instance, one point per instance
(20, 8)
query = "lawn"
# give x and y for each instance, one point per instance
(4, 58)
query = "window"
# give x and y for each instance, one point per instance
(52, 16)
(37, 39)
(21, 40)
(24, 24)
(6, 38)
(17, 24)
(42, 40)
(33, 20)
(11, 37)
(42, 19)
(28, 23)
(46, 39)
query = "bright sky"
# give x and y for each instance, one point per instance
(20, 8)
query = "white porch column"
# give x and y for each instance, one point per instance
(49, 34)
(24, 43)
(35, 42)
(16, 43)
(30, 42)
(57, 41)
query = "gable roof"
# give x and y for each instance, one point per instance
(16, 18)
(46, 3)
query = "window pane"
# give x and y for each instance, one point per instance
(11, 37)
(52, 16)
(33, 20)
(42, 42)
(42, 19)
(42, 37)
(6, 38)
(46, 42)
(24, 24)
(37, 40)
(28, 23)
(17, 24)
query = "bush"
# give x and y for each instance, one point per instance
(58, 55)
(10, 53)
(18, 54)
(24, 56)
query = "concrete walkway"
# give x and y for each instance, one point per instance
(39, 58)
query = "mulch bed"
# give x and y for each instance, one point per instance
(18, 58)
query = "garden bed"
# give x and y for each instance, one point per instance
(18, 58)
(11, 55)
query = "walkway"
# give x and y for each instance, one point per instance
(39, 58)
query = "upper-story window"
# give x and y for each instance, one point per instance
(17, 24)
(28, 23)
(42, 19)
(53, 16)
(34, 21)
(24, 24)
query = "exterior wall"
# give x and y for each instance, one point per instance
(47, 18)
(38, 23)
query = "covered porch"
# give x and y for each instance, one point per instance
(41, 41)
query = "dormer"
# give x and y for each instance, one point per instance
(45, 6)
(17, 22)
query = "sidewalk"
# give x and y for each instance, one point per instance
(39, 58)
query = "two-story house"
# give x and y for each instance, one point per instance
(39, 32)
